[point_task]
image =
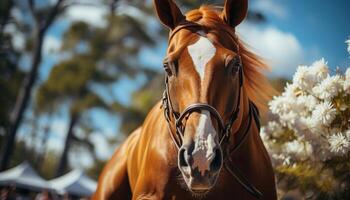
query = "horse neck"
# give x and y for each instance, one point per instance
(243, 113)
(239, 127)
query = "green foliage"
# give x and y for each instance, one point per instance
(279, 83)
(112, 47)
(10, 79)
(10, 82)
(4, 6)
(48, 167)
(95, 170)
(307, 178)
(70, 76)
(79, 31)
(142, 101)
(69, 80)
(98, 56)
(89, 100)
(24, 152)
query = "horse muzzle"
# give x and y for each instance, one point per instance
(200, 165)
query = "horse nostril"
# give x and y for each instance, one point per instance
(216, 163)
(183, 158)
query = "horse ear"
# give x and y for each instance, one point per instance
(168, 13)
(235, 11)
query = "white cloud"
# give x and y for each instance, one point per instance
(93, 15)
(51, 44)
(271, 7)
(282, 50)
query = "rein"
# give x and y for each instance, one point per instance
(225, 129)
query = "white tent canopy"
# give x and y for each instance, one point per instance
(74, 183)
(23, 176)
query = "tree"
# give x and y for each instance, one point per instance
(64, 86)
(5, 8)
(42, 22)
(10, 74)
(143, 100)
(44, 16)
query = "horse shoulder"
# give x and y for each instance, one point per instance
(261, 163)
(113, 182)
(151, 160)
(269, 183)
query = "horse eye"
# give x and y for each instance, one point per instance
(234, 65)
(170, 68)
(167, 69)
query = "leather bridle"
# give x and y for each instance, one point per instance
(224, 128)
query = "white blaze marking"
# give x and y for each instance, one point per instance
(203, 152)
(201, 53)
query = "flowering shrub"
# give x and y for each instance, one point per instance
(309, 135)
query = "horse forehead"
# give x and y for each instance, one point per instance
(201, 52)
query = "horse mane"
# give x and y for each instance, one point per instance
(256, 85)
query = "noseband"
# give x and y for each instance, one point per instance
(224, 128)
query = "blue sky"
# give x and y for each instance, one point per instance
(321, 26)
(296, 32)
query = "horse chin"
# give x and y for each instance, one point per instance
(200, 194)
(198, 189)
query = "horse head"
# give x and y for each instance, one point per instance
(204, 79)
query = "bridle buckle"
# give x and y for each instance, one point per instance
(165, 106)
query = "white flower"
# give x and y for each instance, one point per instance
(319, 69)
(290, 90)
(346, 86)
(287, 161)
(305, 111)
(274, 129)
(347, 134)
(324, 114)
(346, 83)
(304, 104)
(338, 144)
(347, 73)
(293, 147)
(309, 101)
(298, 149)
(280, 104)
(264, 135)
(301, 126)
(303, 78)
(278, 159)
(315, 126)
(289, 119)
(329, 87)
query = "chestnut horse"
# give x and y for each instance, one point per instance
(202, 140)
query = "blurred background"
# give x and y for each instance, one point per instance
(77, 76)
